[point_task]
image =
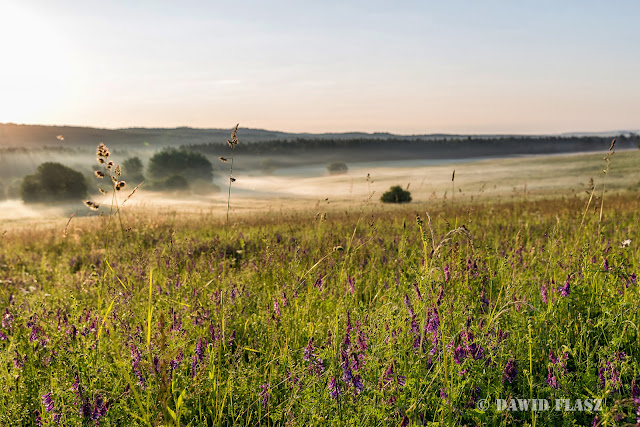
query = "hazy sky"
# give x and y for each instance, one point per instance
(402, 66)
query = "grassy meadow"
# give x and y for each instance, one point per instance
(360, 314)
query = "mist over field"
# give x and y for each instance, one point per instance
(292, 170)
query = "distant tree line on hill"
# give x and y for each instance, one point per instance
(445, 147)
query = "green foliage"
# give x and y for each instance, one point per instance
(53, 182)
(396, 195)
(173, 182)
(337, 168)
(133, 170)
(189, 164)
(180, 325)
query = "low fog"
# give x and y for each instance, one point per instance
(311, 186)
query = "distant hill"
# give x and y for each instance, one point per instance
(34, 136)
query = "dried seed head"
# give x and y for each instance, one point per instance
(100, 160)
(91, 205)
(613, 143)
(118, 171)
(99, 174)
(232, 179)
(102, 150)
(234, 137)
(109, 165)
(60, 138)
(104, 192)
(120, 185)
(223, 159)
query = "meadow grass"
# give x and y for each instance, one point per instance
(360, 317)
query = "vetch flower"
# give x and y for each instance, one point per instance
(551, 380)
(566, 289)
(47, 402)
(510, 371)
(265, 394)
(334, 389)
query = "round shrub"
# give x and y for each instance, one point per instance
(396, 195)
(188, 164)
(53, 182)
(337, 168)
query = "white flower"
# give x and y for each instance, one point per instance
(625, 243)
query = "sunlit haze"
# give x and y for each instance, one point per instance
(405, 67)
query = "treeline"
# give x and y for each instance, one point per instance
(445, 147)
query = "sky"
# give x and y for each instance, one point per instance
(408, 67)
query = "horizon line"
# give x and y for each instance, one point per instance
(616, 131)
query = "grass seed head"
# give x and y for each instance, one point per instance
(91, 205)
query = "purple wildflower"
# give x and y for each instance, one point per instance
(351, 284)
(334, 389)
(543, 293)
(194, 365)
(34, 333)
(566, 289)
(476, 351)
(47, 402)
(309, 350)
(446, 273)
(100, 408)
(362, 343)
(276, 308)
(199, 349)
(407, 303)
(433, 322)
(357, 383)
(346, 369)
(459, 354)
(552, 358)
(440, 296)
(417, 289)
(265, 394)
(18, 361)
(606, 265)
(510, 371)
(401, 380)
(285, 301)
(551, 380)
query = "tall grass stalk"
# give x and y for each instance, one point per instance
(232, 143)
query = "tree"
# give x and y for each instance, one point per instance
(396, 195)
(133, 170)
(337, 168)
(53, 182)
(189, 164)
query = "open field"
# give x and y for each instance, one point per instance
(341, 311)
(429, 181)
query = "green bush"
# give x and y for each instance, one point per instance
(188, 164)
(52, 182)
(173, 182)
(337, 168)
(133, 170)
(396, 195)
